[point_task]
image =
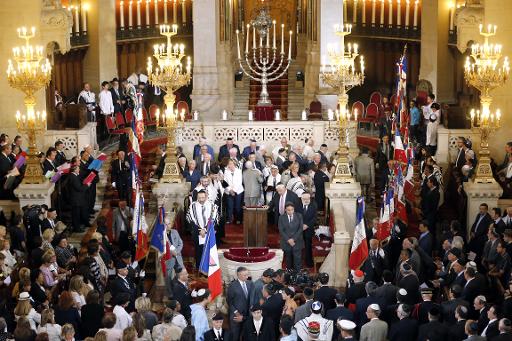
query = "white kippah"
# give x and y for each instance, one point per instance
(316, 306)
(374, 307)
(402, 292)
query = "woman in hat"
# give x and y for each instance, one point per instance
(24, 310)
(199, 318)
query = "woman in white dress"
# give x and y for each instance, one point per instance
(76, 287)
(24, 309)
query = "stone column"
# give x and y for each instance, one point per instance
(437, 62)
(343, 201)
(478, 194)
(100, 62)
(35, 194)
(205, 93)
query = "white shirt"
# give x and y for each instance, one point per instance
(123, 319)
(234, 180)
(78, 298)
(484, 332)
(308, 151)
(53, 331)
(257, 325)
(106, 103)
(432, 133)
(179, 321)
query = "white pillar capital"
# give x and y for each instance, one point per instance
(478, 194)
(35, 194)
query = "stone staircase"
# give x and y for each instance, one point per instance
(241, 106)
(295, 93)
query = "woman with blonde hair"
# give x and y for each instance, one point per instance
(49, 326)
(68, 332)
(51, 276)
(3, 232)
(10, 260)
(100, 336)
(24, 280)
(129, 334)
(24, 309)
(143, 306)
(139, 323)
(76, 287)
(48, 236)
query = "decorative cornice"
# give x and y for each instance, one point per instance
(467, 20)
(56, 25)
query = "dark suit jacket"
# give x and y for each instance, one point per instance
(118, 286)
(492, 330)
(326, 295)
(382, 159)
(473, 288)
(224, 152)
(503, 337)
(193, 178)
(266, 331)
(60, 158)
(120, 173)
(115, 98)
(448, 309)
(426, 243)
(309, 218)
(91, 319)
(412, 285)
(291, 230)
(211, 336)
(45, 224)
(49, 166)
(247, 150)
(77, 191)
(355, 291)
(290, 197)
(319, 181)
(38, 294)
(387, 293)
(457, 331)
(237, 300)
(482, 320)
(404, 330)
(338, 313)
(433, 330)
(182, 295)
(430, 203)
(197, 151)
(272, 310)
(480, 230)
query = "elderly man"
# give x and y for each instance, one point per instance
(280, 199)
(224, 150)
(283, 144)
(121, 225)
(176, 242)
(234, 155)
(197, 148)
(251, 148)
(270, 183)
(375, 329)
(234, 191)
(252, 180)
(364, 169)
(308, 149)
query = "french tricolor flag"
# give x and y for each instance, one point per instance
(210, 265)
(399, 148)
(409, 182)
(359, 251)
(385, 219)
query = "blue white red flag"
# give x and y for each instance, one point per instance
(399, 154)
(359, 251)
(140, 227)
(384, 226)
(401, 90)
(210, 265)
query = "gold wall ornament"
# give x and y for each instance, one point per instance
(484, 72)
(342, 76)
(29, 73)
(169, 75)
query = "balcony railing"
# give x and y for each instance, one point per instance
(135, 33)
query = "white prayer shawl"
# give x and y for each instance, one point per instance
(89, 98)
(199, 218)
(106, 103)
(326, 327)
(295, 185)
(211, 191)
(234, 180)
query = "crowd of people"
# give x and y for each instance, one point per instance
(438, 283)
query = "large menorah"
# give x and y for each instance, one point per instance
(260, 66)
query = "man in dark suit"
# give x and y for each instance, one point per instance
(384, 153)
(197, 148)
(387, 291)
(49, 163)
(433, 330)
(309, 215)
(480, 306)
(505, 329)
(356, 289)
(461, 153)
(479, 231)
(50, 220)
(362, 304)
(79, 199)
(6, 166)
(251, 148)
(431, 203)
(291, 240)
(499, 224)
(123, 284)
(475, 285)
(60, 158)
(325, 293)
(120, 176)
(339, 313)
(423, 309)
(278, 203)
(272, 307)
(319, 180)
(376, 262)
(449, 307)
(224, 150)
(238, 298)
(457, 332)
(181, 291)
(491, 329)
(425, 240)
(257, 327)
(406, 328)
(217, 333)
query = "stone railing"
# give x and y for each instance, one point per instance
(74, 140)
(270, 132)
(447, 143)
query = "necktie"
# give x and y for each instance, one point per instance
(244, 288)
(290, 218)
(281, 204)
(305, 208)
(218, 335)
(274, 184)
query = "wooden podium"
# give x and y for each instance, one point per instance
(255, 226)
